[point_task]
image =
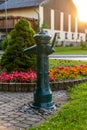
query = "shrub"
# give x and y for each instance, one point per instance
(83, 44)
(5, 42)
(20, 37)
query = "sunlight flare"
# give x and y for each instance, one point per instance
(82, 9)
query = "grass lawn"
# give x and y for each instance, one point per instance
(70, 50)
(73, 115)
(53, 63)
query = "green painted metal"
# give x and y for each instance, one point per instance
(43, 93)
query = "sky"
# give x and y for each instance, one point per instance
(82, 9)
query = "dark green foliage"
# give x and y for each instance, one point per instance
(83, 44)
(37, 28)
(0, 44)
(20, 37)
(5, 42)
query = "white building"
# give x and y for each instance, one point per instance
(58, 16)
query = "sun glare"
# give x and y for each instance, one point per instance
(82, 9)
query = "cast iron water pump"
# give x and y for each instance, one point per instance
(43, 93)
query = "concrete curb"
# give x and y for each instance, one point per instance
(30, 87)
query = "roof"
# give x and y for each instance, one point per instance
(2, 1)
(14, 4)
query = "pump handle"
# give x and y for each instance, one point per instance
(53, 41)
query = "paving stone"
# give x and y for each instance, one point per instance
(12, 119)
(7, 124)
(14, 128)
(30, 123)
(8, 119)
(33, 119)
(2, 117)
(24, 116)
(20, 119)
(3, 128)
(36, 116)
(22, 125)
(10, 113)
(13, 116)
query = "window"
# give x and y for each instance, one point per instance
(66, 35)
(72, 36)
(58, 35)
(3, 36)
(78, 36)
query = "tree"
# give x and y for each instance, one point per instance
(21, 37)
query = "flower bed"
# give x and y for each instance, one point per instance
(68, 73)
(18, 77)
(60, 78)
(55, 74)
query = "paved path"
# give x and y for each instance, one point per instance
(64, 56)
(69, 57)
(13, 119)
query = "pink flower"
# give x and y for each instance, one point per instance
(18, 77)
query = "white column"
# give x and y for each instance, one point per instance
(61, 21)
(52, 20)
(41, 17)
(76, 25)
(69, 23)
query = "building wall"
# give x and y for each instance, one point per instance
(58, 18)
(67, 28)
(26, 12)
(63, 20)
